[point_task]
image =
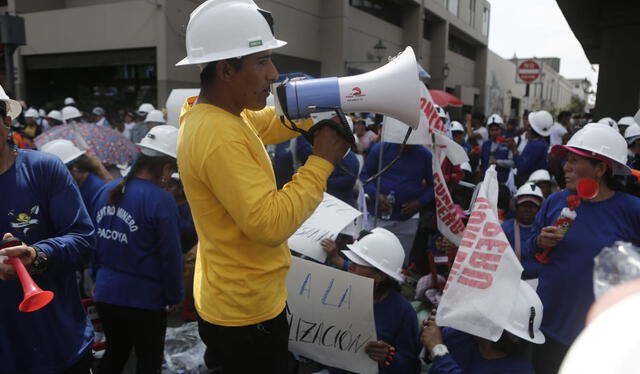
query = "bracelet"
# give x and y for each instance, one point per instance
(390, 356)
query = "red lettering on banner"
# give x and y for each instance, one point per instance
(458, 227)
(491, 229)
(432, 116)
(476, 279)
(486, 261)
(477, 218)
(492, 244)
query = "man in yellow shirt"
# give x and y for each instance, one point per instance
(242, 220)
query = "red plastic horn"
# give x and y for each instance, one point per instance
(34, 297)
(587, 188)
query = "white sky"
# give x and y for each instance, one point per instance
(537, 28)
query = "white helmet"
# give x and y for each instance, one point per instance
(382, 250)
(222, 29)
(55, 114)
(526, 315)
(160, 140)
(42, 113)
(31, 113)
(70, 112)
(457, 126)
(144, 109)
(155, 116)
(541, 122)
(69, 101)
(626, 121)
(598, 139)
(609, 122)
(632, 133)
(495, 118)
(466, 166)
(540, 175)
(64, 149)
(13, 107)
(529, 192)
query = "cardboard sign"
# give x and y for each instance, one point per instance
(328, 220)
(485, 277)
(331, 316)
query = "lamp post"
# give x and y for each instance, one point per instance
(379, 51)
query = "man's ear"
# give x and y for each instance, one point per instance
(224, 71)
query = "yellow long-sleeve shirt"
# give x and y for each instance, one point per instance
(242, 220)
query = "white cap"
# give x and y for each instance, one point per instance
(64, 149)
(160, 140)
(69, 101)
(456, 126)
(495, 118)
(609, 122)
(380, 249)
(540, 175)
(626, 121)
(13, 107)
(155, 116)
(55, 114)
(31, 113)
(70, 112)
(541, 122)
(145, 108)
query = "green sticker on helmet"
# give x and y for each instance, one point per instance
(255, 43)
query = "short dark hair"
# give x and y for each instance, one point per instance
(563, 114)
(208, 74)
(512, 121)
(477, 115)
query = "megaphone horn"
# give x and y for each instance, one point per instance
(392, 89)
(34, 297)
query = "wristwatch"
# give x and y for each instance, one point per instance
(439, 350)
(40, 262)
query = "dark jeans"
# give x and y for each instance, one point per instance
(548, 357)
(83, 366)
(259, 348)
(127, 328)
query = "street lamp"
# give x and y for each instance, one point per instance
(445, 70)
(379, 51)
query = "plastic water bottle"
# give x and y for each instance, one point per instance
(391, 199)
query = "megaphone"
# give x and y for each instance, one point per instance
(392, 89)
(34, 297)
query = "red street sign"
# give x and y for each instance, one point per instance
(529, 71)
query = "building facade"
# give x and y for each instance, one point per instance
(123, 51)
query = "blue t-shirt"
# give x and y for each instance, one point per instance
(138, 254)
(500, 153)
(566, 282)
(42, 207)
(464, 358)
(405, 177)
(533, 157)
(397, 324)
(340, 183)
(89, 189)
(530, 265)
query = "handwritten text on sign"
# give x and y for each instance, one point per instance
(328, 220)
(331, 316)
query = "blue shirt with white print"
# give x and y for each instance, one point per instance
(138, 254)
(40, 204)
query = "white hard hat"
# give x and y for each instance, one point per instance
(596, 139)
(626, 121)
(633, 131)
(55, 114)
(160, 140)
(529, 192)
(440, 111)
(145, 108)
(69, 101)
(541, 122)
(382, 250)
(70, 112)
(495, 118)
(13, 108)
(609, 122)
(64, 149)
(466, 166)
(42, 113)
(31, 113)
(526, 315)
(540, 175)
(456, 126)
(222, 29)
(155, 116)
